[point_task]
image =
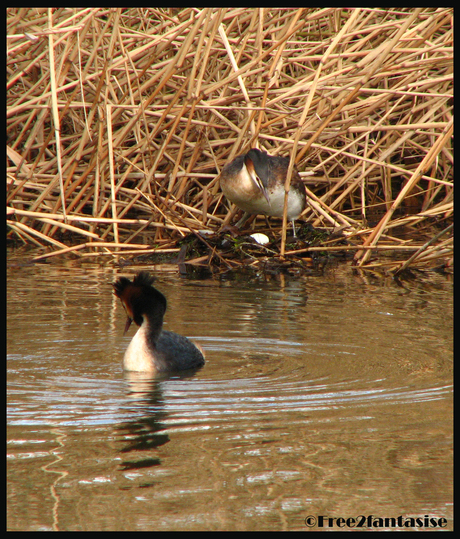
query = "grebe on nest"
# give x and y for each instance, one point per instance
(255, 183)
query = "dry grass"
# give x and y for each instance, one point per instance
(120, 120)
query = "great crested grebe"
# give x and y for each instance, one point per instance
(152, 349)
(255, 183)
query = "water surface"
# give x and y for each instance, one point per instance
(325, 395)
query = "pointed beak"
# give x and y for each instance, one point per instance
(265, 192)
(255, 178)
(128, 323)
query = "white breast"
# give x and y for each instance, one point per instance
(138, 356)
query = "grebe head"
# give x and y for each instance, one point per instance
(257, 166)
(140, 298)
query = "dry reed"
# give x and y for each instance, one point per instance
(120, 120)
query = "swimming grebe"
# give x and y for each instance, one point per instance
(152, 349)
(255, 183)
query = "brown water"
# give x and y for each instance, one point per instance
(322, 396)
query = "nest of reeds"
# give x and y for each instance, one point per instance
(119, 122)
